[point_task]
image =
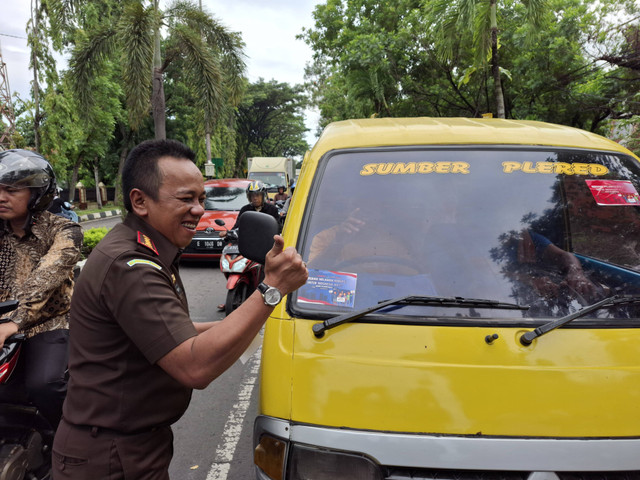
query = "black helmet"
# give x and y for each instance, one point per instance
(256, 186)
(26, 169)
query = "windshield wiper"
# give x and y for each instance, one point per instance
(319, 328)
(529, 337)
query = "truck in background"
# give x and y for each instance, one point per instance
(274, 172)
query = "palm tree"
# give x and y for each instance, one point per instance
(480, 18)
(213, 58)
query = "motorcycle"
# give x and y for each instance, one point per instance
(281, 213)
(66, 211)
(243, 275)
(26, 437)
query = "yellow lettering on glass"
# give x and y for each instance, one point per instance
(410, 168)
(556, 168)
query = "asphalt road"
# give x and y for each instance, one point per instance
(213, 439)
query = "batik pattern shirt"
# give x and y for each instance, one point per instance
(37, 270)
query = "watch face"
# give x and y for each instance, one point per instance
(272, 296)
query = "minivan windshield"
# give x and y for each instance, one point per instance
(554, 229)
(272, 180)
(224, 198)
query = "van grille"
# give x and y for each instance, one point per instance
(428, 474)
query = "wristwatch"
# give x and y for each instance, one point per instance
(270, 295)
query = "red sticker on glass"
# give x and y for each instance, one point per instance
(613, 192)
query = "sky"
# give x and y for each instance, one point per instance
(268, 28)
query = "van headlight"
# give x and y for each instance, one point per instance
(269, 455)
(308, 463)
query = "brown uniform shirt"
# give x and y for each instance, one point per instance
(129, 309)
(37, 270)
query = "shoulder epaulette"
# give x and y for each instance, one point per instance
(144, 240)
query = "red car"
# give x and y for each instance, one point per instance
(225, 198)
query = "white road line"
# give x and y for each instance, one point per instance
(233, 428)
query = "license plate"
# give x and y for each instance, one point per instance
(208, 244)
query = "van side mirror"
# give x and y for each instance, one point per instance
(255, 235)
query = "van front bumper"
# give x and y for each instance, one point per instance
(397, 456)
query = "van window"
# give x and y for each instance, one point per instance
(554, 229)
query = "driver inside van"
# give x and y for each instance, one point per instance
(362, 240)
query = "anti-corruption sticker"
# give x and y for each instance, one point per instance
(613, 192)
(326, 287)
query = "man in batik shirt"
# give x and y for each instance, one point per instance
(38, 252)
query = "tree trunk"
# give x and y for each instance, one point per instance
(495, 64)
(207, 139)
(157, 98)
(74, 179)
(158, 105)
(126, 139)
(35, 19)
(96, 178)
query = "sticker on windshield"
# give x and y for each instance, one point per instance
(325, 287)
(613, 192)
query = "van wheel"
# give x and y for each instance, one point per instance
(235, 297)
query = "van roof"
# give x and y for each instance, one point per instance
(377, 132)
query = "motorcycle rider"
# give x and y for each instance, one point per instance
(258, 202)
(280, 195)
(38, 252)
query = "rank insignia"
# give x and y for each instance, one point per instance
(142, 261)
(147, 242)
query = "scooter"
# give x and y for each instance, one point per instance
(66, 210)
(243, 275)
(26, 437)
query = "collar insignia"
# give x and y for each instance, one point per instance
(147, 242)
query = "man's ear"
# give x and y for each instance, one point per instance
(139, 202)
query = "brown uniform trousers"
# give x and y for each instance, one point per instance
(110, 455)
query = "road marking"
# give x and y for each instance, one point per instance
(233, 427)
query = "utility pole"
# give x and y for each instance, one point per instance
(7, 115)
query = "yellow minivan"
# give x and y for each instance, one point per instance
(472, 309)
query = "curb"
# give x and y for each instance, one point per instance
(96, 216)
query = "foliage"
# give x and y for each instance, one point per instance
(91, 238)
(129, 37)
(270, 122)
(384, 59)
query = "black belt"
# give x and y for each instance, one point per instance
(94, 431)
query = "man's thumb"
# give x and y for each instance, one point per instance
(278, 245)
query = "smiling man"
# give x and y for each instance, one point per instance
(135, 355)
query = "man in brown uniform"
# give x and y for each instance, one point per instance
(135, 355)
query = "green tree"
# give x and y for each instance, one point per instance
(270, 122)
(479, 19)
(133, 36)
(557, 79)
(361, 54)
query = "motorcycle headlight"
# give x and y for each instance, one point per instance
(240, 265)
(225, 263)
(314, 464)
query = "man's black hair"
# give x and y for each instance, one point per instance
(141, 166)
